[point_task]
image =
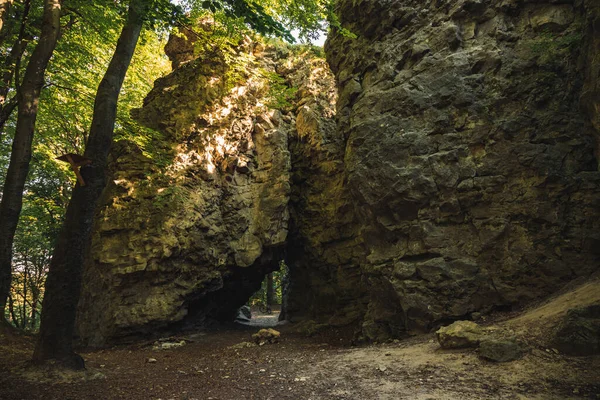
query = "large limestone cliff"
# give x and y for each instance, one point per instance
(454, 170)
(469, 159)
(193, 238)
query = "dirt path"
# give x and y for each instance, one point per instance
(219, 365)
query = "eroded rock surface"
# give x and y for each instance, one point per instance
(193, 238)
(455, 174)
(469, 160)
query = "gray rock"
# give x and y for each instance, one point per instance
(500, 350)
(244, 314)
(579, 333)
(459, 156)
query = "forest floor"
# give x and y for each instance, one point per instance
(225, 365)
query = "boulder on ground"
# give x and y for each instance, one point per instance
(500, 350)
(266, 336)
(579, 333)
(309, 327)
(460, 335)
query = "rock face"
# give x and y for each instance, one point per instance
(193, 238)
(454, 171)
(469, 161)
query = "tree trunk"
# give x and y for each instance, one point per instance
(11, 308)
(29, 94)
(270, 293)
(24, 309)
(11, 61)
(63, 283)
(34, 303)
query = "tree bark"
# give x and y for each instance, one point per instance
(29, 94)
(24, 309)
(11, 308)
(63, 284)
(12, 61)
(270, 293)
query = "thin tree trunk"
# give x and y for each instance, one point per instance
(25, 292)
(24, 295)
(34, 304)
(11, 308)
(16, 53)
(63, 284)
(270, 293)
(29, 94)
(11, 63)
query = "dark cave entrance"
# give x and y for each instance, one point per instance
(221, 303)
(265, 306)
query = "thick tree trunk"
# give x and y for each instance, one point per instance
(270, 293)
(29, 94)
(64, 277)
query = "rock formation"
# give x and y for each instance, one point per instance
(469, 161)
(189, 231)
(453, 171)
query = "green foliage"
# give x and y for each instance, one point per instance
(279, 277)
(163, 14)
(280, 94)
(253, 15)
(46, 197)
(550, 47)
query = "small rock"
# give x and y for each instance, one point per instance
(461, 334)
(476, 316)
(500, 350)
(266, 336)
(579, 333)
(242, 345)
(151, 360)
(167, 345)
